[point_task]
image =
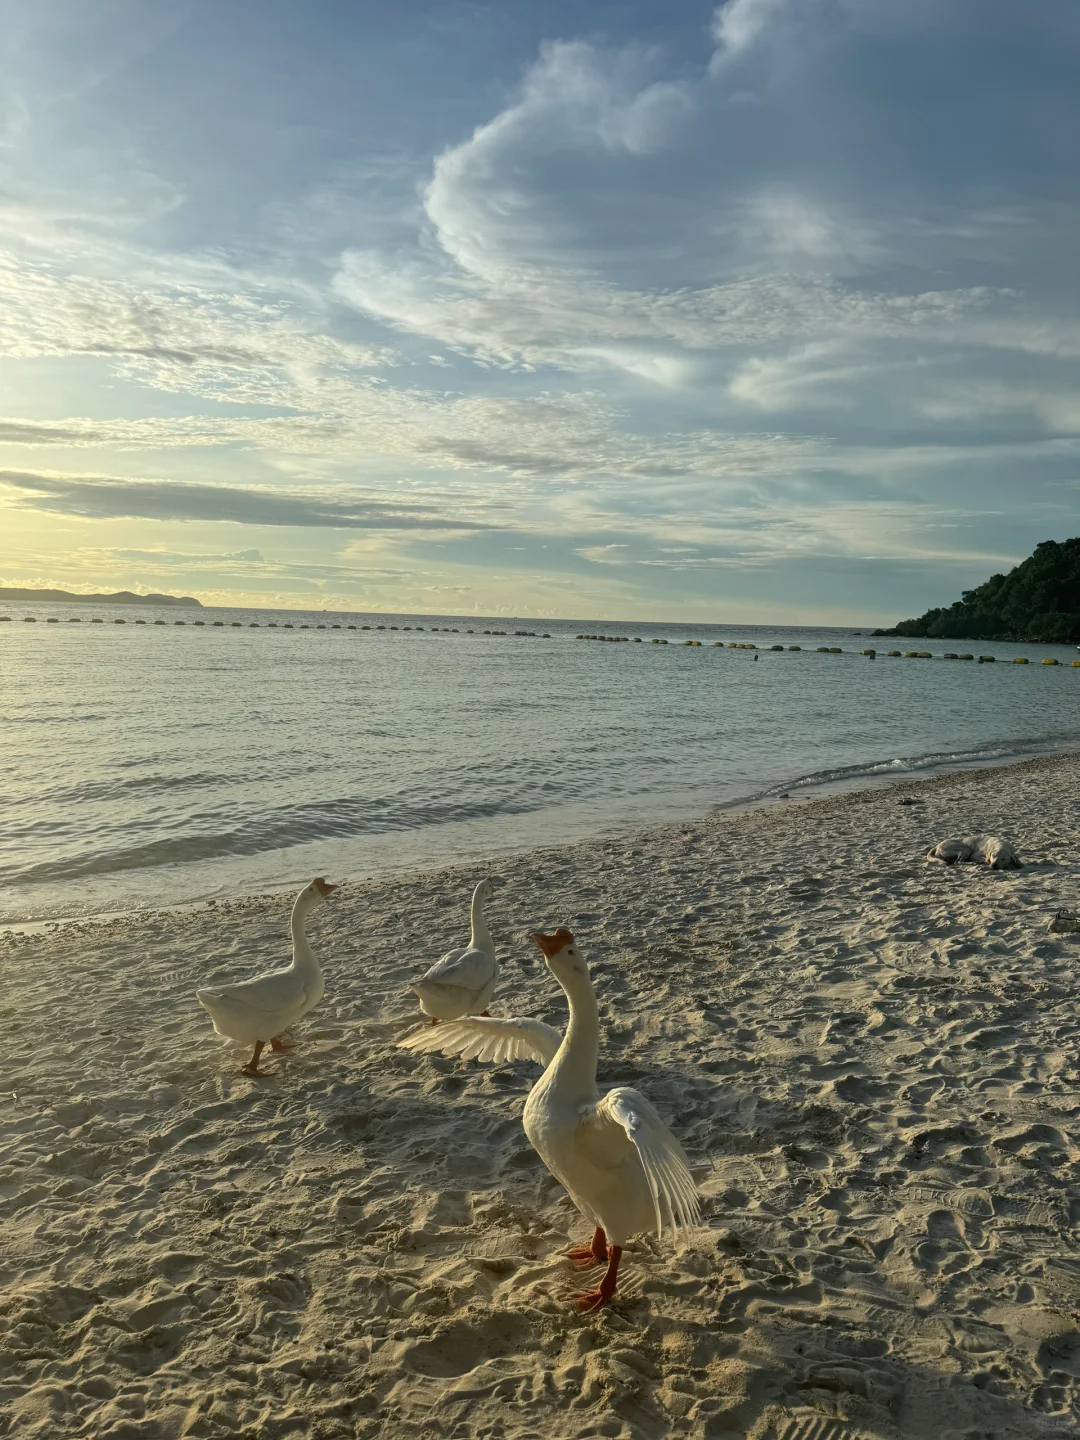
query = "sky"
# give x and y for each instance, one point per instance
(760, 312)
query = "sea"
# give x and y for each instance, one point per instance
(148, 762)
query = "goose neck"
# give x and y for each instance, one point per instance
(303, 958)
(580, 1050)
(481, 935)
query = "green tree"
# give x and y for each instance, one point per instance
(1038, 601)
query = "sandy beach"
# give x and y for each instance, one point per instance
(871, 1062)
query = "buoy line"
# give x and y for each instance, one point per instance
(869, 653)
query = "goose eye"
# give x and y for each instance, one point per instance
(571, 952)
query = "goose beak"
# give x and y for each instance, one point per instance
(550, 945)
(323, 887)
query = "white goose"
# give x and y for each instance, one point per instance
(620, 1164)
(256, 1011)
(463, 981)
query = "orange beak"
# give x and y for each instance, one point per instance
(323, 887)
(550, 945)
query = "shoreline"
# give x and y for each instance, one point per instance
(872, 1063)
(872, 777)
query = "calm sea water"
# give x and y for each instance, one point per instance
(149, 764)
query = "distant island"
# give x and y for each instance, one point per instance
(121, 597)
(1039, 601)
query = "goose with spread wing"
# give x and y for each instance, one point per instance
(618, 1161)
(463, 981)
(256, 1011)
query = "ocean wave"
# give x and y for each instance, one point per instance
(1002, 750)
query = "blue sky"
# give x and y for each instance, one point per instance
(760, 312)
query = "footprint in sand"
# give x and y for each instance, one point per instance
(1061, 1353)
(812, 1427)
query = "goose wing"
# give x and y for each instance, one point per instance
(471, 969)
(264, 995)
(630, 1114)
(479, 1038)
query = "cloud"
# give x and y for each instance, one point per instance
(676, 312)
(738, 24)
(232, 344)
(549, 239)
(97, 497)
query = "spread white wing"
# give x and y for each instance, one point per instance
(675, 1198)
(479, 1038)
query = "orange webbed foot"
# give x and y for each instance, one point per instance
(582, 1258)
(598, 1298)
(594, 1300)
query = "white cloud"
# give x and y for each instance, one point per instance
(738, 24)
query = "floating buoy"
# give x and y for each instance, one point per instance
(29, 619)
(1020, 660)
(140, 622)
(159, 622)
(1076, 664)
(870, 652)
(96, 621)
(965, 657)
(987, 659)
(272, 625)
(776, 647)
(893, 652)
(253, 625)
(76, 621)
(823, 650)
(5, 619)
(219, 624)
(286, 627)
(794, 647)
(237, 624)
(950, 656)
(911, 654)
(1051, 661)
(353, 627)
(52, 621)
(175, 622)
(200, 623)
(119, 622)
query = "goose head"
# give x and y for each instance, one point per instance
(484, 891)
(319, 889)
(562, 953)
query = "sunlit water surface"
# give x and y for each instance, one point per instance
(150, 764)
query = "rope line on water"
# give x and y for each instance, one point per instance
(545, 635)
